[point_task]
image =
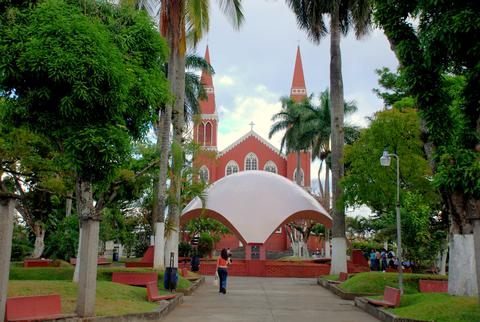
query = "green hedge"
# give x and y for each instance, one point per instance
(375, 282)
(66, 273)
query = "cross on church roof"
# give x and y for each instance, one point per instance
(251, 124)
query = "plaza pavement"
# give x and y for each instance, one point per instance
(256, 299)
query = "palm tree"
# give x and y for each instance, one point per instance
(289, 119)
(317, 130)
(343, 15)
(181, 20)
(193, 92)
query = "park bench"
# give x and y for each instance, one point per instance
(391, 298)
(433, 286)
(134, 278)
(34, 308)
(341, 278)
(152, 293)
(37, 262)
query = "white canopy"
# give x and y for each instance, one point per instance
(255, 203)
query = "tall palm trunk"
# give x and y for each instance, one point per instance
(160, 185)
(327, 180)
(176, 40)
(298, 174)
(339, 260)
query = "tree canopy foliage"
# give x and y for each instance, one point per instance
(445, 42)
(85, 76)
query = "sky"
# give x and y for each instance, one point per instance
(254, 68)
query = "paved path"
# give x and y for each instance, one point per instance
(252, 299)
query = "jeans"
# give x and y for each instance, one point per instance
(222, 274)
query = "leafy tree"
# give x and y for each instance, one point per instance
(367, 182)
(446, 41)
(200, 225)
(86, 76)
(343, 16)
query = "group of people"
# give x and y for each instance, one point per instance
(380, 260)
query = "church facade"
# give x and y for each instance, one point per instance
(249, 152)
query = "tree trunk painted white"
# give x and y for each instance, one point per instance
(7, 207)
(76, 273)
(441, 261)
(87, 260)
(339, 256)
(87, 282)
(159, 248)
(327, 248)
(476, 251)
(68, 205)
(462, 278)
(171, 245)
(39, 246)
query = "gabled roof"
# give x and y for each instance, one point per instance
(255, 135)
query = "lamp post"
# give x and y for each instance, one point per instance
(385, 161)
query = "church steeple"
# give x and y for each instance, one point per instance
(208, 106)
(205, 132)
(298, 91)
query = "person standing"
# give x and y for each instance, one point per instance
(222, 270)
(372, 260)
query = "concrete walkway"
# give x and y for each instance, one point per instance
(266, 300)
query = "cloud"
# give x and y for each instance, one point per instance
(257, 108)
(225, 81)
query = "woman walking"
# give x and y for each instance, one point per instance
(222, 265)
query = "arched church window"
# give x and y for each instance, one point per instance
(270, 166)
(208, 134)
(201, 134)
(204, 174)
(302, 177)
(251, 162)
(231, 168)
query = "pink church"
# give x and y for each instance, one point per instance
(249, 152)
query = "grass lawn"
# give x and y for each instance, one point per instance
(424, 306)
(439, 307)
(66, 274)
(112, 298)
(375, 282)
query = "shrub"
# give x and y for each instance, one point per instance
(205, 244)
(184, 249)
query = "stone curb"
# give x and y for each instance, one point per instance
(194, 285)
(164, 308)
(339, 292)
(380, 313)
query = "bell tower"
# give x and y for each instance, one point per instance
(205, 132)
(298, 93)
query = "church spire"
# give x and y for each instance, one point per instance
(298, 91)
(205, 132)
(206, 78)
(207, 106)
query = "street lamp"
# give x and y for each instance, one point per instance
(385, 161)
